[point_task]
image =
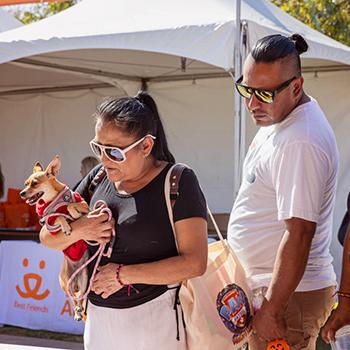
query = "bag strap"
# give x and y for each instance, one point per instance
(171, 188)
(170, 204)
(171, 193)
(174, 182)
(96, 180)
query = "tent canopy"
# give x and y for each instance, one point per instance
(7, 21)
(157, 40)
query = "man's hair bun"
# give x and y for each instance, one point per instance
(300, 44)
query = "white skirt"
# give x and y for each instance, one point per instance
(150, 326)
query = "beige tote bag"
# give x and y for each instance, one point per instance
(216, 306)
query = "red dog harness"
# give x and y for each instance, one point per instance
(49, 211)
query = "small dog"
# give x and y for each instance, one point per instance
(57, 205)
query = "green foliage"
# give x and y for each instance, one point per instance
(43, 10)
(330, 17)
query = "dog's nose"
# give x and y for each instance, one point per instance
(23, 194)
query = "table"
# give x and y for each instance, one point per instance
(10, 234)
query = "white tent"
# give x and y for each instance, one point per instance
(197, 29)
(56, 70)
(7, 21)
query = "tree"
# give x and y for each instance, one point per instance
(40, 11)
(330, 17)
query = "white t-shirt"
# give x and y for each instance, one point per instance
(290, 171)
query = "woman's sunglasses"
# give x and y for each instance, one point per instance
(115, 154)
(265, 96)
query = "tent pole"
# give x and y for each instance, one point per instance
(237, 99)
(243, 110)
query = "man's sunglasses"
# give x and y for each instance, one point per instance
(115, 154)
(265, 96)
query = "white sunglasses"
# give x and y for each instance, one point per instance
(115, 154)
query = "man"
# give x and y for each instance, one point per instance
(281, 223)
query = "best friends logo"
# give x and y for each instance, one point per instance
(32, 287)
(32, 290)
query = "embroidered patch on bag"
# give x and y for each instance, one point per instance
(234, 310)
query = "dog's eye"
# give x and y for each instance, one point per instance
(34, 183)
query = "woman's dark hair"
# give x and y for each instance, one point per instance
(2, 183)
(275, 47)
(137, 116)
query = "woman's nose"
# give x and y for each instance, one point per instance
(104, 159)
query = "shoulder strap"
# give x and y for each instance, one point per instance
(171, 191)
(96, 180)
(174, 180)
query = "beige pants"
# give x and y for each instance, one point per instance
(307, 312)
(150, 326)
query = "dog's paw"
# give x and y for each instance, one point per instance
(78, 317)
(67, 230)
(74, 213)
(78, 313)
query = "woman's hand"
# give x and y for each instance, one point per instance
(94, 226)
(105, 282)
(339, 318)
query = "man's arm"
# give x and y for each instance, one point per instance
(288, 270)
(341, 316)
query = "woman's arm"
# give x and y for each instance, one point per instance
(191, 237)
(93, 226)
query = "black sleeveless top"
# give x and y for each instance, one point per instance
(143, 230)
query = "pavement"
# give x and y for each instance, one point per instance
(12, 342)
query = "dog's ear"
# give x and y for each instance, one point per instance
(37, 167)
(54, 167)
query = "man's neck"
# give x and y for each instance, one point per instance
(303, 99)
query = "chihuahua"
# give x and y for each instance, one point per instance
(57, 206)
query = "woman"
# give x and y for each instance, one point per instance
(131, 143)
(341, 316)
(2, 183)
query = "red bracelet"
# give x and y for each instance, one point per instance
(130, 286)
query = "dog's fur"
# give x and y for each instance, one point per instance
(43, 184)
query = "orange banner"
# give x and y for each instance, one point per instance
(18, 2)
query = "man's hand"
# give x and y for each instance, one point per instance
(290, 263)
(269, 323)
(339, 318)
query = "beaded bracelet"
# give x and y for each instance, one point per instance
(119, 267)
(343, 294)
(130, 286)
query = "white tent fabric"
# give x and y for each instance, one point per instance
(55, 71)
(7, 21)
(197, 29)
